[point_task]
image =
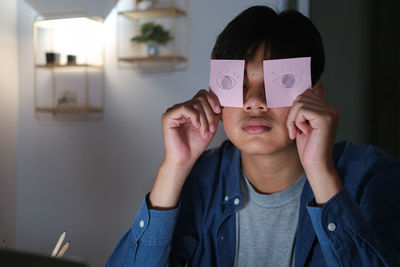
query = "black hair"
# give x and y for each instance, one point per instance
(285, 35)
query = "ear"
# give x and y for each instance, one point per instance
(319, 89)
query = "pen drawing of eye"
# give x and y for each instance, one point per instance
(227, 80)
(288, 80)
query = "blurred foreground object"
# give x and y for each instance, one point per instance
(14, 258)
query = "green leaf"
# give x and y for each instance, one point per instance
(153, 32)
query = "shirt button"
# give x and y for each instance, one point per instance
(331, 227)
(141, 223)
(226, 198)
(236, 201)
(222, 237)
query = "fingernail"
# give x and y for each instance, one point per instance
(212, 128)
(198, 124)
(206, 135)
(217, 108)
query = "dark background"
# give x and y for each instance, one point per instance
(362, 71)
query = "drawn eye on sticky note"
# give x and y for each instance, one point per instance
(288, 80)
(285, 79)
(226, 81)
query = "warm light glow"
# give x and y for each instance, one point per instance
(82, 37)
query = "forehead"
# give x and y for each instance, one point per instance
(254, 66)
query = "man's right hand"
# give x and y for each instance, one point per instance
(188, 129)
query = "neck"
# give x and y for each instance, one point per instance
(274, 172)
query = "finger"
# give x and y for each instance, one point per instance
(290, 121)
(299, 120)
(310, 93)
(312, 103)
(212, 118)
(309, 113)
(302, 120)
(204, 126)
(210, 104)
(180, 114)
(302, 127)
(319, 105)
(214, 102)
(211, 98)
(292, 130)
(295, 122)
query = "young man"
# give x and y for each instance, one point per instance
(279, 192)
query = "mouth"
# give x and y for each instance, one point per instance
(256, 125)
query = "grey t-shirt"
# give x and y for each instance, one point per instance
(266, 226)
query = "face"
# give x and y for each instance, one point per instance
(255, 129)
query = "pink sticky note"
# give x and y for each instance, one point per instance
(226, 81)
(285, 79)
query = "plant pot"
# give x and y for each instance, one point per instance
(144, 4)
(152, 48)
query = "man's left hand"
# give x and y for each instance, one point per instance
(313, 124)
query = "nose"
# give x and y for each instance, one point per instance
(254, 100)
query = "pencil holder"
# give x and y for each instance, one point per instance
(52, 58)
(71, 59)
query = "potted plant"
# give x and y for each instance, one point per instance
(153, 35)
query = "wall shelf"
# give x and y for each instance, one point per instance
(153, 12)
(51, 66)
(74, 90)
(163, 58)
(172, 15)
(69, 110)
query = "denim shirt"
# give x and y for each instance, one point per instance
(359, 226)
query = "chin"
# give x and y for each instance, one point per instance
(262, 146)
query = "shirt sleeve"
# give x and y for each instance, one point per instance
(357, 235)
(148, 241)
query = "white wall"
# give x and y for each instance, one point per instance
(8, 120)
(90, 178)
